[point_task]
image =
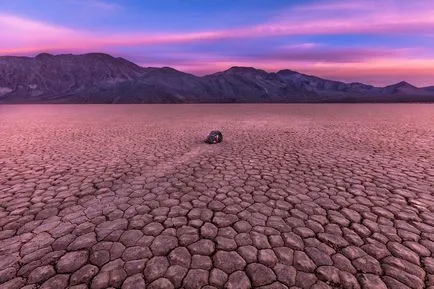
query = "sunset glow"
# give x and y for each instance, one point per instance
(378, 42)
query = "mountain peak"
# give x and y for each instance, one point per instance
(165, 70)
(43, 55)
(99, 55)
(403, 84)
(286, 72)
(243, 70)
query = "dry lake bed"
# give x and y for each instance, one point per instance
(296, 196)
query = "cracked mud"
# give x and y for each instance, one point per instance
(296, 196)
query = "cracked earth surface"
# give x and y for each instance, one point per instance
(296, 196)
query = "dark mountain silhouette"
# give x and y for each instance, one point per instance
(101, 78)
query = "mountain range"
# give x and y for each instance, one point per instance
(101, 78)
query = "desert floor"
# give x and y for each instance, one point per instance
(296, 196)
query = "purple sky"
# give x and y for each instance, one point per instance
(378, 42)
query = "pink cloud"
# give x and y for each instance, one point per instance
(102, 5)
(21, 35)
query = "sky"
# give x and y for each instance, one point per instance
(377, 42)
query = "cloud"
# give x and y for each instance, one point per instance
(322, 53)
(387, 17)
(20, 35)
(358, 16)
(103, 5)
(22, 28)
(301, 52)
(374, 66)
(340, 6)
(99, 4)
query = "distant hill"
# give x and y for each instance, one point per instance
(101, 78)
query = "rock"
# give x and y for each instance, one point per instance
(226, 244)
(429, 265)
(117, 249)
(180, 256)
(16, 283)
(176, 274)
(153, 229)
(39, 241)
(84, 274)
(395, 284)
(243, 239)
(104, 229)
(71, 261)
(276, 241)
(305, 280)
(406, 278)
(260, 241)
(334, 241)
(155, 268)
(303, 263)
(201, 262)
(275, 285)
(218, 277)
(401, 251)
(135, 253)
(248, 253)
(293, 241)
(267, 257)
(161, 283)
(195, 278)
(285, 274)
(116, 264)
(134, 282)
(285, 255)
(242, 226)
(214, 137)
(318, 256)
(100, 257)
(260, 274)
(117, 277)
(101, 280)
(369, 281)
(238, 280)
(59, 282)
(135, 266)
(129, 238)
(368, 264)
(40, 274)
(7, 274)
(163, 244)
(328, 274)
(83, 242)
(202, 247)
(348, 280)
(63, 242)
(377, 250)
(209, 231)
(352, 252)
(229, 262)
(343, 263)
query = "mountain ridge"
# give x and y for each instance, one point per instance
(102, 78)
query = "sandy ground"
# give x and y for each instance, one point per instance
(296, 196)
